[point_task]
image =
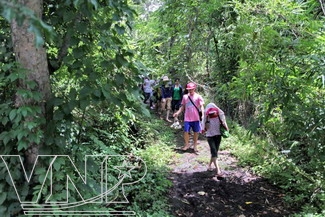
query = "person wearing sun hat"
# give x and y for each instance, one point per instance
(213, 115)
(191, 103)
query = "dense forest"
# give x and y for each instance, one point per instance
(69, 88)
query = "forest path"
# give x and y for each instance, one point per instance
(197, 192)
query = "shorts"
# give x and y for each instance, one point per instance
(167, 103)
(194, 125)
(214, 143)
(176, 104)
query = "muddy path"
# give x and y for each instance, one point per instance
(197, 192)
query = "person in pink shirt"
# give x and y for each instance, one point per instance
(191, 103)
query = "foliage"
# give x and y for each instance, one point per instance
(262, 62)
(95, 95)
(265, 159)
(157, 154)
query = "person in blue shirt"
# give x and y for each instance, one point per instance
(166, 97)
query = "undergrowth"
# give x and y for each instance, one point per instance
(150, 194)
(302, 189)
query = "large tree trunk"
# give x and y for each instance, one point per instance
(34, 60)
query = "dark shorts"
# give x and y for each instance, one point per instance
(194, 125)
(176, 104)
(214, 143)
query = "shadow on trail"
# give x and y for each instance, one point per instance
(197, 192)
(201, 194)
(181, 151)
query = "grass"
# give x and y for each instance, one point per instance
(157, 154)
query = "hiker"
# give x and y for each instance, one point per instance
(147, 89)
(192, 104)
(166, 97)
(157, 96)
(213, 117)
(177, 96)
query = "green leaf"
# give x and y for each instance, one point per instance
(120, 79)
(76, 3)
(12, 114)
(8, 14)
(41, 177)
(6, 137)
(121, 61)
(21, 134)
(4, 120)
(106, 91)
(22, 144)
(94, 3)
(84, 103)
(39, 41)
(57, 165)
(3, 209)
(3, 196)
(120, 29)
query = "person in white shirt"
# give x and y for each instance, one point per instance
(147, 89)
(213, 118)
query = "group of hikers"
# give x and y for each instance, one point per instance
(163, 95)
(167, 97)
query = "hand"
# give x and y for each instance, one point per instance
(163, 100)
(175, 114)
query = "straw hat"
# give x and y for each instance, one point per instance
(165, 78)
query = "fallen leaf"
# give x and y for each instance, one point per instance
(185, 201)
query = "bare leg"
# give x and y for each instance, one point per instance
(167, 115)
(210, 164)
(215, 162)
(186, 140)
(195, 138)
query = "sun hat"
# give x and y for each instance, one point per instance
(165, 78)
(190, 86)
(211, 111)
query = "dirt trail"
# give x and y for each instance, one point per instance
(197, 192)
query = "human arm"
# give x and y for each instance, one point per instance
(179, 111)
(202, 110)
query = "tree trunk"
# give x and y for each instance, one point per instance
(34, 60)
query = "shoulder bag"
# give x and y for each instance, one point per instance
(223, 131)
(200, 112)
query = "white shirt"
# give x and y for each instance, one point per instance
(147, 85)
(214, 128)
